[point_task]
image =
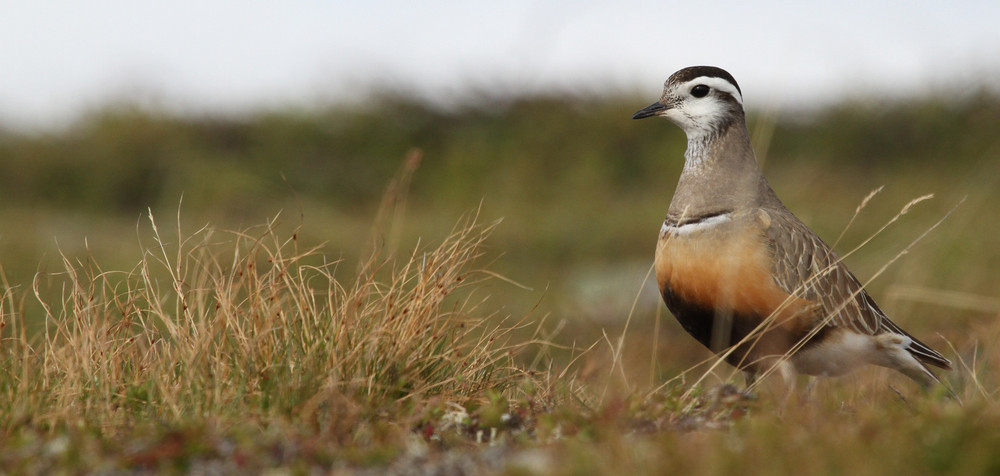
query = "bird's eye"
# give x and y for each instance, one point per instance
(699, 91)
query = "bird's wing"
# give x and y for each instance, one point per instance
(806, 267)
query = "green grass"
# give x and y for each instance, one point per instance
(325, 321)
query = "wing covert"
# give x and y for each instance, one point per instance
(806, 267)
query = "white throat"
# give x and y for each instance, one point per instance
(695, 155)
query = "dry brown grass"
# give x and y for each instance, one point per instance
(250, 324)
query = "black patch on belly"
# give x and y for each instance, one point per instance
(720, 330)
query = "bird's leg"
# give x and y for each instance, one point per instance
(789, 379)
(804, 396)
(750, 378)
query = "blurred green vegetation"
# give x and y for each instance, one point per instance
(123, 159)
(581, 187)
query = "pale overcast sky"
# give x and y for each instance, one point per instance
(59, 58)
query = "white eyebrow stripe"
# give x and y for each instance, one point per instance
(716, 83)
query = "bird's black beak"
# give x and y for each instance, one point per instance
(651, 110)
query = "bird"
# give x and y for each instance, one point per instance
(743, 275)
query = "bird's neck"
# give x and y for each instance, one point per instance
(720, 174)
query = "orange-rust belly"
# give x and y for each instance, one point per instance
(727, 270)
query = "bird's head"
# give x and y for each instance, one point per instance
(701, 100)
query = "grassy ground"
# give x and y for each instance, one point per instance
(325, 322)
